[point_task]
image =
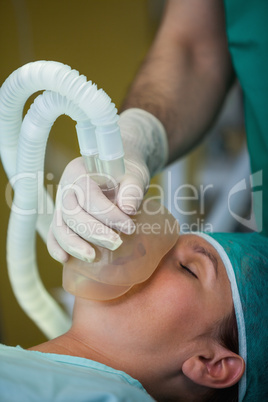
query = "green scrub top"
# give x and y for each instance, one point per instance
(247, 31)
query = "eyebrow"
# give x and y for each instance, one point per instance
(202, 250)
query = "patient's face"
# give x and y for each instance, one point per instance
(187, 294)
(160, 323)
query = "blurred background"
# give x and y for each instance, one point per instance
(106, 40)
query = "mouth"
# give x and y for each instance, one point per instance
(138, 251)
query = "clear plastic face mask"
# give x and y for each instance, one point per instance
(113, 273)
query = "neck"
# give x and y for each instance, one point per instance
(96, 334)
(72, 344)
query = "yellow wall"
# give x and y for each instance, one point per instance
(103, 39)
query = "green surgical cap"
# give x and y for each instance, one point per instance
(245, 257)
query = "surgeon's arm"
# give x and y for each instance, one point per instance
(187, 72)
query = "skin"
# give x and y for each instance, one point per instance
(183, 81)
(187, 72)
(164, 326)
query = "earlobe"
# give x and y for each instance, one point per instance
(220, 371)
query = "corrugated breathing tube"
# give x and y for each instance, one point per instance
(22, 147)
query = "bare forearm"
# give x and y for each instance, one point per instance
(183, 87)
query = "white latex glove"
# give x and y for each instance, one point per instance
(84, 215)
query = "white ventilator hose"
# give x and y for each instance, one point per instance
(24, 144)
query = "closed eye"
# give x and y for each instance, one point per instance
(188, 270)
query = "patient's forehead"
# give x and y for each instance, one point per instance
(194, 241)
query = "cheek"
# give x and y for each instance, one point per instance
(174, 301)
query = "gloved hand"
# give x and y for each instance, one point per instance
(84, 215)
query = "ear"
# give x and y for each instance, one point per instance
(221, 369)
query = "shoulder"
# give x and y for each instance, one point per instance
(34, 375)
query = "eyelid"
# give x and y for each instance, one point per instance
(189, 270)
